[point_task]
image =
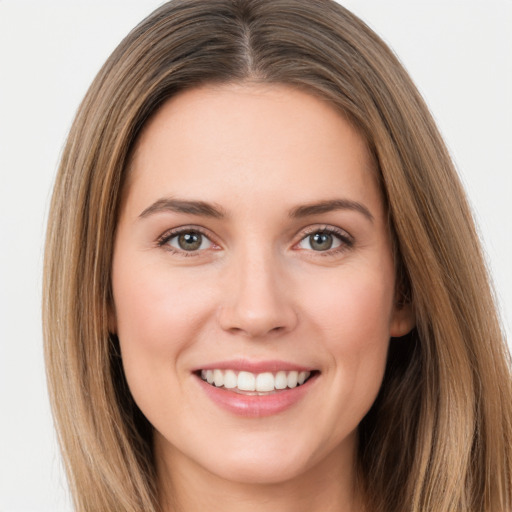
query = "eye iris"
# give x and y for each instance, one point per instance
(321, 241)
(190, 241)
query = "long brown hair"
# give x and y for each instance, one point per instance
(439, 436)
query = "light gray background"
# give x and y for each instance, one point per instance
(459, 52)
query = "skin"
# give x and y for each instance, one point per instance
(257, 290)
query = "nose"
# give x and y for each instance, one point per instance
(257, 301)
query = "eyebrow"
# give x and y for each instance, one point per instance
(329, 206)
(200, 208)
(204, 209)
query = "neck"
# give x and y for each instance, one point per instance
(329, 486)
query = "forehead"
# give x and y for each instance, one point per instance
(272, 138)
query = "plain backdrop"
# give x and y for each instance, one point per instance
(459, 52)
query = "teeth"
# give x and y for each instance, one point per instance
(230, 379)
(247, 381)
(265, 382)
(292, 379)
(281, 380)
(218, 378)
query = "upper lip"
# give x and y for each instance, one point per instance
(246, 365)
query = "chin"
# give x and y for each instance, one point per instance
(258, 470)
(265, 460)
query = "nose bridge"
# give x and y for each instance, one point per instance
(257, 301)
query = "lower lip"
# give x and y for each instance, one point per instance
(256, 406)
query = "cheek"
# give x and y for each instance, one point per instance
(154, 308)
(353, 314)
(158, 316)
(354, 310)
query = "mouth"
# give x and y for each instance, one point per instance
(256, 389)
(255, 384)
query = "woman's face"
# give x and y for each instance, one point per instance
(252, 252)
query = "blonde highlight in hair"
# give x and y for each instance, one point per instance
(446, 399)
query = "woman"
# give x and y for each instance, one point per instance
(261, 201)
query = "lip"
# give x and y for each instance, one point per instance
(256, 406)
(245, 365)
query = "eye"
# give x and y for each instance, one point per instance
(189, 240)
(324, 240)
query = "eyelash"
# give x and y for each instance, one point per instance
(347, 242)
(163, 241)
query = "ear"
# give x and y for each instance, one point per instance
(403, 318)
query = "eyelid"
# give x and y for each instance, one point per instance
(163, 239)
(347, 240)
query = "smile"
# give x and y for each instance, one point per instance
(245, 382)
(256, 390)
